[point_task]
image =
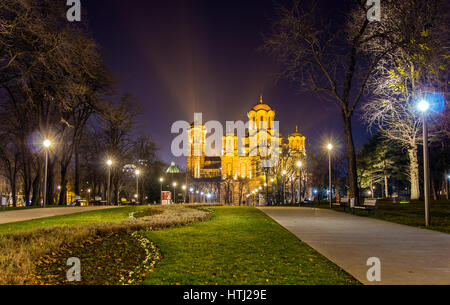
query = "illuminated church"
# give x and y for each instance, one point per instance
(237, 176)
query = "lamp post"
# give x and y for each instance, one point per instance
(138, 172)
(423, 107)
(108, 194)
(184, 193)
(174, 194)
(284, 186)
(47, 144)
(299, 165)
(330, 193)
(89, 196)
(191, 194)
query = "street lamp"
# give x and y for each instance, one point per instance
(137, 172)
(89, 196)
(299, 165)
(423, 107)
(46, 144)
(330, 193)
(108, 194)
(284, 186)
(184, 193)
(174, 186)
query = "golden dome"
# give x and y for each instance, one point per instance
(261, 106)
(296, 133)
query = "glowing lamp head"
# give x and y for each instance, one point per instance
(330, 146)
(299, 164)
(284, 172)
(109, 162)
(138, 172)
(423, 106)
(183, 187)
(47, 143)
(174, 184)
(161, 180)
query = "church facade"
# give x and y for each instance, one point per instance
(238, 177)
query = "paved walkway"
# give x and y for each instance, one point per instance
(408, 255)
(27, 214)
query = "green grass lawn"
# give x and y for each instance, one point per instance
(411, 214)
(108, 215)
(239, 245)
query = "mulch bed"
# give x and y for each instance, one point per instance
(105, 260)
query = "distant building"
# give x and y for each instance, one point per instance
(231, 177)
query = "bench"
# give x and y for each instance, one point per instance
(343, 203)
(370, 204)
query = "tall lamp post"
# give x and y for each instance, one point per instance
(329, 147)
(284, 186)
(299, 165)
(272, 189)
(108, 194)
(47, 144)
(174, 194)
(184, 193)
(423, 107)
(138, 172)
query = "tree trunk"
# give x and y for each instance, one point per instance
(63, 183)
(446, 178)
(433, 189)
(36, 197)
(13, 189)
(26, 176)
(414, 173)
(351, 158)
(386, 187)
(77, 171)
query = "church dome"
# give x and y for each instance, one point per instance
(261, 106)
(173, 169)
(296, 133)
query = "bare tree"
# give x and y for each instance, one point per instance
(334, 60)
(406, 76)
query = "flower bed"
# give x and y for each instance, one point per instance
(21, 252)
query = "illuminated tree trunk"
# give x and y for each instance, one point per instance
(446, 184)
(386, 188)
(414, 173)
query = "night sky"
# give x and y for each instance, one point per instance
(178, 57)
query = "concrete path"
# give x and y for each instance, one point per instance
(27, 214)
(408, 255)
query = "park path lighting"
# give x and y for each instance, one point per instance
(108, 194)
(299, 166)
(46, 144)
(184, 193)
(284, 186)
(191, 194)
(89, 196)
(330, 193)
(423, 107)
(174, 194)
(138, 172)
